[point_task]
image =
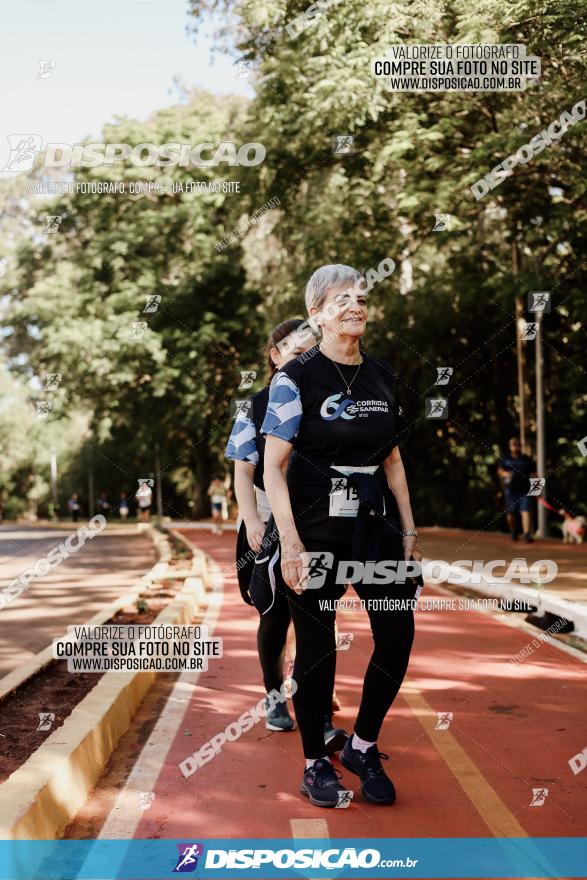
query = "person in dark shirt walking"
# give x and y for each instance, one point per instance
(516, 469)
(337, 489)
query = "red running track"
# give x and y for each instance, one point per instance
(514, 729)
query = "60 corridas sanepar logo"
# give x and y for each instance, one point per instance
(26, 148)
(340, 408)
(333, 407)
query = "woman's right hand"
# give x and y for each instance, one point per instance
(255, 531)
(292, 561)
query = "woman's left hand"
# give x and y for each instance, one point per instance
(411, 548)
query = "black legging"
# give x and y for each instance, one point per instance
(271, 637)
(314, 668)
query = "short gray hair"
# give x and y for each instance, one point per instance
(326, 277)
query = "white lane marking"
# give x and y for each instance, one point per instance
(316, 829)
(126, 812)
(309, 828)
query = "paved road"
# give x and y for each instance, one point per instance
(514, 728)
(101, 571)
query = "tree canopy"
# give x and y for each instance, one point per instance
(71, 299)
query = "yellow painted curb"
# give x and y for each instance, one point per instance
(40, 799)
(199, 560)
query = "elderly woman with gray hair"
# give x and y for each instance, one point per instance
(337, 488)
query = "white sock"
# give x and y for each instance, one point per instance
(310, 761)
(361, 744)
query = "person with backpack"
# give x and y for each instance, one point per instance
(246, 447)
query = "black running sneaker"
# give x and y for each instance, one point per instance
(321, 784)
(278, 718)
(375, 785)
(334, 737)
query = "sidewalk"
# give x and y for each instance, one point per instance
(454, 544)
(81, 585)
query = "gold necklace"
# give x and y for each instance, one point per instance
(348, 384)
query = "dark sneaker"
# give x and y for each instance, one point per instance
(528, 538)
(514, 536)
(321, 785)
(334, 737)
(375, 785)
(279, 718)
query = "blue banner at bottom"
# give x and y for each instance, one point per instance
(368, 858)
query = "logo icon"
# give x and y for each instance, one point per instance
(316, 565)
(53, 223)
(444, 374)
(340, 408)
(46, 719)
(42, 409)
(536, 485)
(343, 144)
(138, 329)
(344, 799)
(539, 795)
(152, 303)
(241, 409)
(46, 68)
(444, 719)
(187, 860)
(247, 378)
(23, 151)
(146, 798)
(343, 641)
(539, 301)
(529, 331)
(244, 69)
(436, 408)
(52, 381)
(441, 222)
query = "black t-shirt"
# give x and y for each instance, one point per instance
(309, 406)
(520, 467)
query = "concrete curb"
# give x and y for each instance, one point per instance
(40, 799)
(542, 599)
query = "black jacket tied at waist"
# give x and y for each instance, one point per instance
(376, 534)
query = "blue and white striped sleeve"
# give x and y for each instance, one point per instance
(242, 443)
(284, 410)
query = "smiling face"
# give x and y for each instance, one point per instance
(344, 312)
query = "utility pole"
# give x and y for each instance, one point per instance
(54, 498)
(158, 483)
(520, 352)
(521, 359)
(540, 438)
(91, 485)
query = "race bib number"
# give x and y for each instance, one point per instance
(344, 499)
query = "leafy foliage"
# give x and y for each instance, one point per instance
(451, 301)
